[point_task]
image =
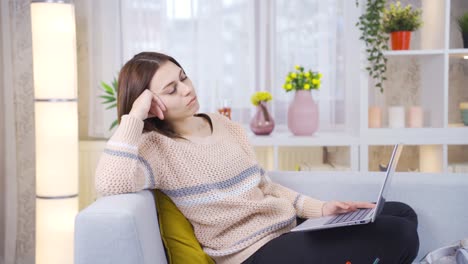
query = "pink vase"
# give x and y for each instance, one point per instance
(303, 114)
(262, 123)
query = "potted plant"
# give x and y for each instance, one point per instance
(110, 97)
(462, 22)
(262, 123)
(303, 111)
(400, 22)
(375, 39)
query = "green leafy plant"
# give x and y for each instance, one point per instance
(462, 22)
(399, 18)
(109, 97)
(302, 80)
(375, 39)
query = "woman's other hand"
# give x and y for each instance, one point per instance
(339, 207)
(148, 105)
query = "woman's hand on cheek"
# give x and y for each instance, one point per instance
(141, 107)
(157, 107)
(148, 105)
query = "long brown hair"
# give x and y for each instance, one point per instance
(134, 77)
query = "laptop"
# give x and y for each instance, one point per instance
(360, 216)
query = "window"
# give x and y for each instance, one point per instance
(229, 48)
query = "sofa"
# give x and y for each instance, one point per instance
(124, 228)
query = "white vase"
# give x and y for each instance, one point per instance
(396, 117)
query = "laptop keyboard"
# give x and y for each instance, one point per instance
(351, 216)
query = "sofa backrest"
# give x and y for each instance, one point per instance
(441, 201)
(124, 228)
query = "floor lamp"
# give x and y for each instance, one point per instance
(56, 117)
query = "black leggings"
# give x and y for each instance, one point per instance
(392, 238)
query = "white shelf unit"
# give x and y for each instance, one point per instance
(422, 77)
(390, 53)
(282, 150)
(425, 76)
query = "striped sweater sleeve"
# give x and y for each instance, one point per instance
(306, 207)
(121, 167)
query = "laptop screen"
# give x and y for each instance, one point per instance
(388, 178)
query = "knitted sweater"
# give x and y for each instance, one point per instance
(218, 185)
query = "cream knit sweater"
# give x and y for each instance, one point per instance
(218, 185)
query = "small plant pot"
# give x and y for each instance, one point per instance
(401, 40)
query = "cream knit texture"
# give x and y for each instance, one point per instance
(216, 183)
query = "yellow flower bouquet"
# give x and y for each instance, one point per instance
(302, 80)
(262, 96)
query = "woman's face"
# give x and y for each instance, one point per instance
(176, 91)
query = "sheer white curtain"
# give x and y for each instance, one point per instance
(211, 39)
(310, 33)
(229, 48)
(104, 58)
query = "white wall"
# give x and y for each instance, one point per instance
(2, 155)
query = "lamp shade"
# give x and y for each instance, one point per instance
(56, 149)
(54, 230)
(56, 126)
(54, 50)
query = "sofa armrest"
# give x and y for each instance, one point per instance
(119, 229)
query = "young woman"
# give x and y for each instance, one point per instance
(205, 164)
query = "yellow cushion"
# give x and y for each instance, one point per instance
(177, 233)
